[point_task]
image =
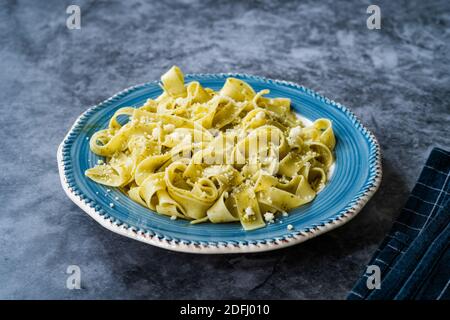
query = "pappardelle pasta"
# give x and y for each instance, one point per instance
(217, 156)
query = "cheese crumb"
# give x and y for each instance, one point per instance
(249, 213)
(155, 133)
(169, 128)
(290, 227)
(285, 214)
(111, 205)
(260, 115)
(100, 161)
(116, 198)
(294, 134)
(268, 216)
(173, 218)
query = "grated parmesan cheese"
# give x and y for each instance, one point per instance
(260, 115)
(168, 128)
(155, 133)
(269, 217)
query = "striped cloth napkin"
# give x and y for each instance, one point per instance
(414, 259)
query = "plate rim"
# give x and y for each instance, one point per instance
(220, 247)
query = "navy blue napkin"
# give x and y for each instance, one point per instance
(414, 259)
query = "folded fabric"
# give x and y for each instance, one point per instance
(414, 259)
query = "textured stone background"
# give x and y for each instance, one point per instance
(396, 79)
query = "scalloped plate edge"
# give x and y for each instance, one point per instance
(223, 248)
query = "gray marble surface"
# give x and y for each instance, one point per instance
(396, 79)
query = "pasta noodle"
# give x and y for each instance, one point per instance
(218, 156)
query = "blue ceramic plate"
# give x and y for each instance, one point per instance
(356, 177)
